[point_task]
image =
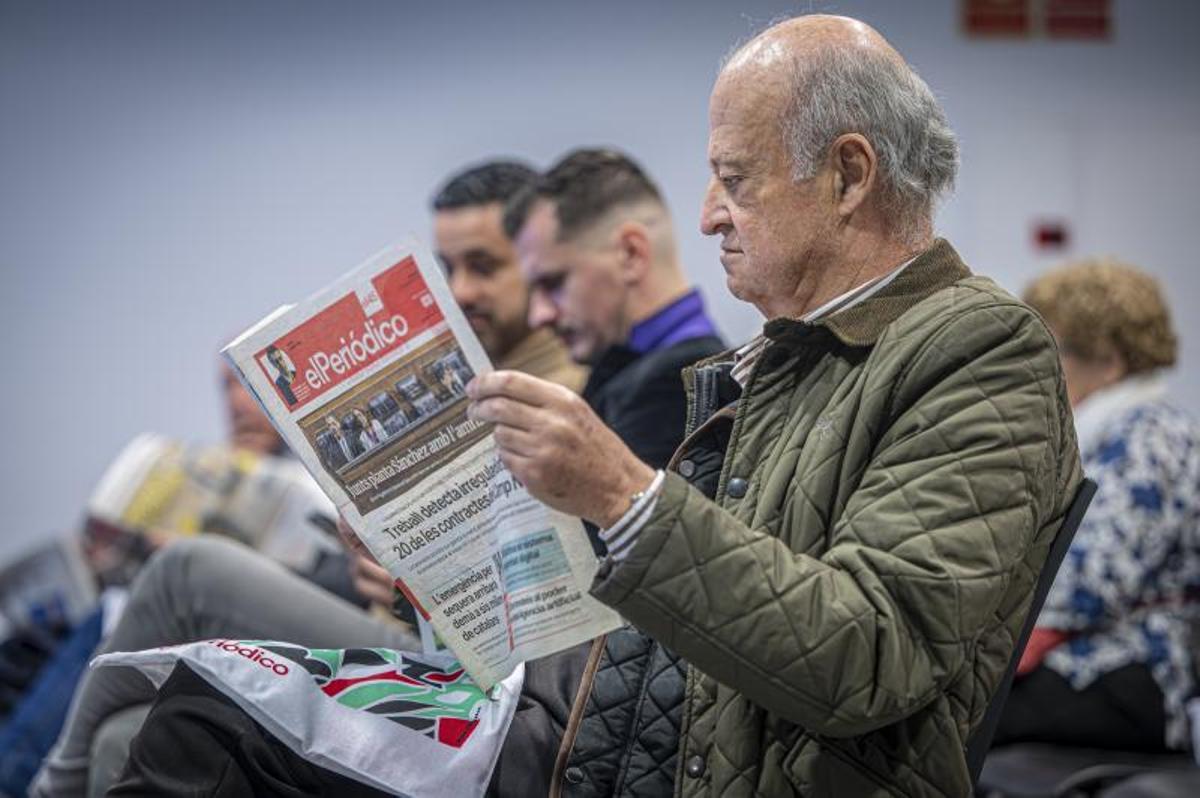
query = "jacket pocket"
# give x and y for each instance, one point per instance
(817, 768)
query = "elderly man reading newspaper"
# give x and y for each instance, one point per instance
(828, 578)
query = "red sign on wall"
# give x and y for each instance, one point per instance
(997, 18)
(1052, 19)
(1078, 19)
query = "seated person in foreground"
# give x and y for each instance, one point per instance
(829, 578)
(1110, 662)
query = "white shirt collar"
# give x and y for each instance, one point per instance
(857, 294)
(743, 358)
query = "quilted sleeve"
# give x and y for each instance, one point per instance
(974, 463)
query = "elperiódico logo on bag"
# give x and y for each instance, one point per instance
(252, 653)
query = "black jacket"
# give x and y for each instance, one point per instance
(642, 399)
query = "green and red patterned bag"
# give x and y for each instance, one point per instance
(399, 721)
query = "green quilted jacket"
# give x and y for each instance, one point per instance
(893, 478)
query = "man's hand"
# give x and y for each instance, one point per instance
(371, 580)
(352, 542)
(553, 442)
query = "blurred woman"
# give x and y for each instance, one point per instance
(1110, 663)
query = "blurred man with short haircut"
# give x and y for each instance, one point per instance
(596, 243)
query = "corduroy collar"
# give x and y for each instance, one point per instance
(862, 324)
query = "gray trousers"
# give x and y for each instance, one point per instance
(195, 590)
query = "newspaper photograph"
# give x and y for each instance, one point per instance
(366, 381)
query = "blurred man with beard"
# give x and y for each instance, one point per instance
(485, 277)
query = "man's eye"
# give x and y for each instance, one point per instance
(730, 182)
(483, 268)
(552, 283)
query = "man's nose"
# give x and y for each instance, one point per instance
(542, 310)
(464, 288)
(714, 217)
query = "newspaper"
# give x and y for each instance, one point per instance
(366, 382)
(163, 488)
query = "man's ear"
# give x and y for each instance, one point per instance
(635, 250)
(855, 171)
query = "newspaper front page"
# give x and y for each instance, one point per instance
(366, 382)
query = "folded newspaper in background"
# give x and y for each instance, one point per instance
(366, 382)
(165, 488)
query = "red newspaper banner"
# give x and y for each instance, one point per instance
(350, 335)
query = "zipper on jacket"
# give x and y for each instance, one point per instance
(705, 380)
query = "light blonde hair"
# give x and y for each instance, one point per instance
(1098, 306)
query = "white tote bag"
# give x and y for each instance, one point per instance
(407, 723)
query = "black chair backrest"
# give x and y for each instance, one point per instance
(981, 740)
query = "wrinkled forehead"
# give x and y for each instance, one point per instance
(753, 87)
(762, 52)
(745, 121)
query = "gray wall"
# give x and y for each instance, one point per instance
(171, 171)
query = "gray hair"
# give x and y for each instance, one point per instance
(853, 90)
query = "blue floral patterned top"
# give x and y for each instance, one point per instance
(1130, 584)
